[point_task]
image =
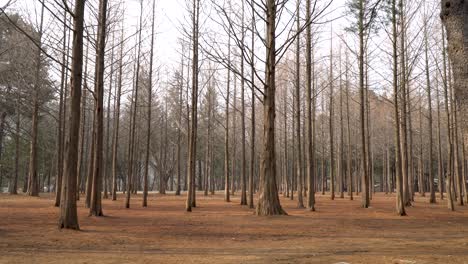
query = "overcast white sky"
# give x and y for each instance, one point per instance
(171, 13)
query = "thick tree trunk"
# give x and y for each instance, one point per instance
(68, 211)
(268, 200)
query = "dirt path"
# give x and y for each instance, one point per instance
(219, 232)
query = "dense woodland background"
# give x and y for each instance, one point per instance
(267, 99)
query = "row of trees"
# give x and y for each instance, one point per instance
(332, 121)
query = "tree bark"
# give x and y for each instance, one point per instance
(297, 113)
(68, 211)
(365, 202)
(33, 181)
(400, 205)
(96, 206)
(194, 121)
(148, 131)
(268, 200)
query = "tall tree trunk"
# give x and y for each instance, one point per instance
(440, 163)
(68, 212)
(331, 131)
(348, 130)
(33, 181)
(297, 97)
(268, 201)
(365, 202)
(179, 133)
(106, 159)
(453, 14)
(81, 152)
(115, 144)
(400, 205)
(432, 198)
(131, 183)
(14, 181)
(148, 131)
(226, 132)
(59, 168)
(96, 206)
(243, 158)
(252, 129)
(449, 184)
(310, 120)
(194, 122)
(403, 123)
(341, 149)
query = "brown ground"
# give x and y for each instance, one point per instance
(219, 232)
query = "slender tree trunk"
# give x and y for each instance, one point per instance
(14, 181)
(33, 181)
(226, 135)
(332, 130)
(60, 121)
(298, 146)
(365, 202)
(440, 163)
(449, 188)
(243, 158)
(131, 182)
(148, 131)
(403, 123)
(252, 131)
(96, 206)
(400, 205)
(106, 159)
(310, 120)
(432, 198)
(193, 125)
(115, 144)
(453, 14)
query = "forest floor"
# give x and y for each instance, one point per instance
(218, 232)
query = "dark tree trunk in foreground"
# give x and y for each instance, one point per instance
(268, 199)
(96, 206)
(68, 213)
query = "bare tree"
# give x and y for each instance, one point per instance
(68, 212)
